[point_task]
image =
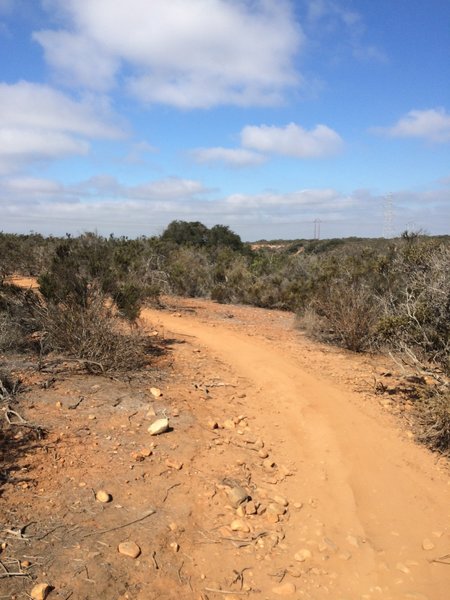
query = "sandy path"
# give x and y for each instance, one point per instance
(372, 496)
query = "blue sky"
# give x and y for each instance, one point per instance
(265, 115)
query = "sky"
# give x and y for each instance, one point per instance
(274, 117)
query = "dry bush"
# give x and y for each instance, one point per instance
(432, 416)
(11, 336)
(350, 313)
(93, 334)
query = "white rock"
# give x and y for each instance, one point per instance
(159, 426)
(285, 589)
(103, 496)
(303, 555)
(130, 549)
(427, 544)
(155, 392)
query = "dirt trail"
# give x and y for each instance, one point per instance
(373, 496)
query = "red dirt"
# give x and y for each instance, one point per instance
(362, 496)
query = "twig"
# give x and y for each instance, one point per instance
(77, 404)
(149, 514)
(213, 591)
(443, 560)
(168, 490)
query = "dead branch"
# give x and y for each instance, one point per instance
(149, 514)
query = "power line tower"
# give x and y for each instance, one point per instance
(388, 216)
(317, 223)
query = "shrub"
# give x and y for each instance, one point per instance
(432, 416)
(93, 334)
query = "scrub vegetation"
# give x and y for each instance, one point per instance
(374, 295)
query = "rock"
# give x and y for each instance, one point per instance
(151, 412)
(213, 424)
(130, 549)
(159, 426)
(285, 589)
(303, 555)
(174, 464)
(239, 525)
(263, 453)
(298, 505)
(237, 495)
(175, 547)
(155, 392)
(259, 444)
(280, 500)
(40, 591)
(25, 564)
(250, 508)
(103, 496)
(276, 509)
(427, 544)
(268, 464)
(229, 424)
(92, 417)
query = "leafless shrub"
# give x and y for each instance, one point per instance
(94, 334)
(432, 417)
(350, 313)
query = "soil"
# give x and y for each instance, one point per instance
(341, 504)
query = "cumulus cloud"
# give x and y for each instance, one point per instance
(40, 123)
(185, 53)
(432, 125)
(232, 157)
(292, 140)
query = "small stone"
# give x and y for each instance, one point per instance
(427, 544)
(40, 591)
(130, 549)
(155, 392)
(159, 426)
(403, 568)
(268, 464)
(285, 589)
(174, 464)
(240, 511)
(229, 424)
(58, 404)
(92, 417)
(277, 509)
(280, 500)
(25, 564)
(237, 495)
(146, 452)
(298, 505)
(213, 424)
(272, 517)
(250, 508)
(151, 412)
(175, 547)
(263, 453)
(103, 496)
(303, 555)
(239, 525)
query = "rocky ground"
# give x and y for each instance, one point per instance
(284, 472)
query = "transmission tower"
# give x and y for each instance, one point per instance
(317, 223)
(388, 216)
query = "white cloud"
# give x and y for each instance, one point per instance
(432, 125)
(292, 140)
(232, 157)
(185, 53)
(108, 205)
(39, 123)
